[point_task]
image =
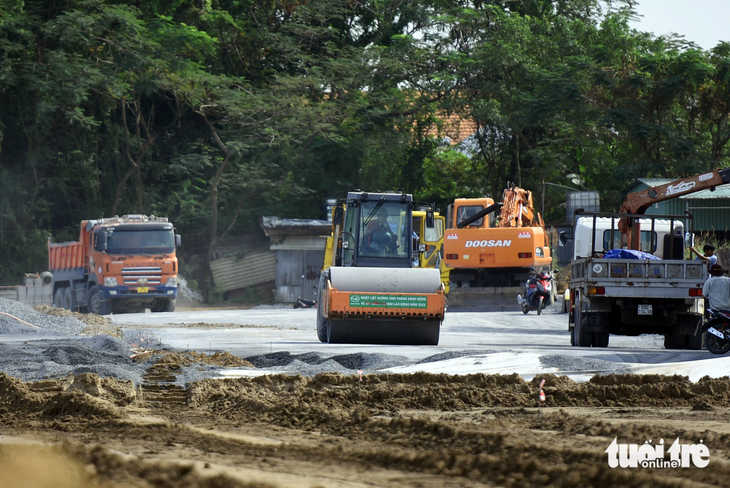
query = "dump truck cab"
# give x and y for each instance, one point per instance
(119, 264)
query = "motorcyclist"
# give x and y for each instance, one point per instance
(530, 290)
(717, 288)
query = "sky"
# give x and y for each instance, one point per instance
(705, 22)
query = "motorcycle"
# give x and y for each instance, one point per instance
(538, 293)
(304, 303)
(717, 331)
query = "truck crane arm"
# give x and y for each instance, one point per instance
(637, 202)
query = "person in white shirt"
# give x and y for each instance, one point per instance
(717, 288)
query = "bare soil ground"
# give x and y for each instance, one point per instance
(418, 430)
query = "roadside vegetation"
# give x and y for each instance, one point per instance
(216, 113)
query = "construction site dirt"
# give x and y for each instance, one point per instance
(343, 429)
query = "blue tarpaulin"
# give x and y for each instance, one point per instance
(628, 254)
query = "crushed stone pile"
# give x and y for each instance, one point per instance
(18, 318)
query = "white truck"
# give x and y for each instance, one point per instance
(653, 291)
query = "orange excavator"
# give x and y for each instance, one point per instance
(494, 254)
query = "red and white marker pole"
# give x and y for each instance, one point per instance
(542, 393)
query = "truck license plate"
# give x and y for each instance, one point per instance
(645, 309)
(144, 289)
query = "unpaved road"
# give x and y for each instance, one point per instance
(333, 430)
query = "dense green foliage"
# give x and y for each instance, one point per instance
(214, 113)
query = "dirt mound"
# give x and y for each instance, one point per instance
(87, 318)
(421, 430)
(425, 391)
(119, 392)
(188, 358)
(562, 279)
(87, 467)
(68, 399)
(95, 324)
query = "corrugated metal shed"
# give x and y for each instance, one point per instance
(711, 209)
(297, 273)
(299, 246)
(298, 243)
(234, 273)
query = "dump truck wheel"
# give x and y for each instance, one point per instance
(58, 298)
(163, 305)
(96, 304)
(68, 300)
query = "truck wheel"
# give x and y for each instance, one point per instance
(163, 305)
(96, 304)
(600, 339)
(674, 341)
(583, 338)
(68, 300)
(694, 342)
(58, 298)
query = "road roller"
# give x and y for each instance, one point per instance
(372, 289)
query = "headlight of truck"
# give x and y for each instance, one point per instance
(174, 281)
(110, 282)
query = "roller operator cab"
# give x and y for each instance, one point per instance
(372, 289)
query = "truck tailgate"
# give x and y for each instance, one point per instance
(638, 277)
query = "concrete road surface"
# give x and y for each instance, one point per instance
(495, 342)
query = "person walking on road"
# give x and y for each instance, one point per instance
(717, 288)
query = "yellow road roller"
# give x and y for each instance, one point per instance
(372, 289)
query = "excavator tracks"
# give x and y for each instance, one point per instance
(159, 388)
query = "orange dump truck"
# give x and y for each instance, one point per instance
(119, 264)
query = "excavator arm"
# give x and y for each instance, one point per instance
(638, 202)
(517, 208)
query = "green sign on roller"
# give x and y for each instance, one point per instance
(389, 301)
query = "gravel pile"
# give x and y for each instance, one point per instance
(49, 359)
(570, 364)
(59, 349)
(451, 355)
(311, 361)
(43, 324)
